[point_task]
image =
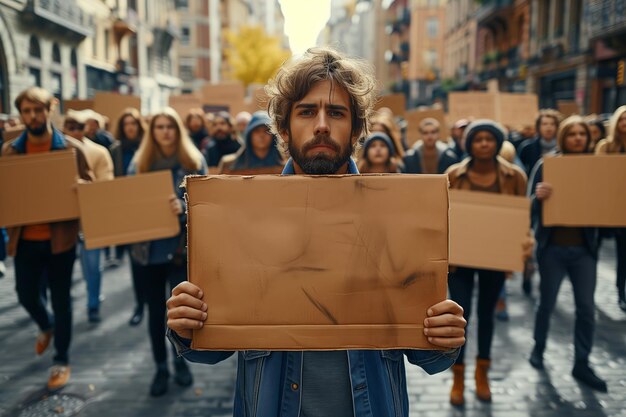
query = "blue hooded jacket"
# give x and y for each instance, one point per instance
(247, 159)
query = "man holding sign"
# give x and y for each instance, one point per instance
(319, 106)
(45, 247)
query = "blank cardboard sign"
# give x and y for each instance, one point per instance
(487, 230)
(317, 263)
(38, 188)
(588, 190)
(127, 210)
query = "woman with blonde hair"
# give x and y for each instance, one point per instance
(167, 146)
(615, 143)
(562, 251)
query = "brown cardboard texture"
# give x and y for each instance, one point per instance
(510, 109)
(567, 107)
(127, 210)
(13, 132)
(317, 263)
(517, 110)
(588, 190)
(487, 230)
(112, 105)
(38, 188)
(473, 104)
(395, 102)
(76, 104)
(228, 94)
(183, 103)
(414, 117)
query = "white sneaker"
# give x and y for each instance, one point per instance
(3, 268)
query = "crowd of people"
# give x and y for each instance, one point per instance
(320, 120)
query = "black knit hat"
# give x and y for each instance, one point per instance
(490, 126)
(382, 137)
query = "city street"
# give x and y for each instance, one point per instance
(112, 364)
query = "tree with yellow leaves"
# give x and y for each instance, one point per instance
(253, 55)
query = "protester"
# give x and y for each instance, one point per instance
(564, 251)
(382, 121)
(223, 140)
(482, 171)
(378, 155)
(167, 146)
(241, 123)
(456, 133)
(261, 149)
(429, 156)
(532, 150)
(47, 247)
(319, 106)
(615, 143)
(598, 131)
(130, 131)
(95, 129)
(196, 126)
(101, 165)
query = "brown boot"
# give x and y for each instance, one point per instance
(482, 380)
(458, 385)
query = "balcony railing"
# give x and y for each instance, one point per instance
(64, 14)
(606, 17)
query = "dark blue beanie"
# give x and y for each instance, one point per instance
(379, 136)
(488, 125)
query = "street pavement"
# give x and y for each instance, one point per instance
(112, 363)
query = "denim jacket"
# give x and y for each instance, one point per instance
(269, 383)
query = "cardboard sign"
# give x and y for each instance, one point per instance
(184, 103)
(395, 102)
(76, 104)
(127, 210)
(517, 110)
(112, 105)
(38, 188)
(488, 230)
(567, 107)
(317, 263)
(414, 117)
(11, 133)
(229, 95)
(510, 109)
(587, 190)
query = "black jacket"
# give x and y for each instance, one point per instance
(412, 161)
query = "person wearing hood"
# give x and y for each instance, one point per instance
(428, 156)
(532, 150)
(615, 143)
(196, 126)
(241, 123)
(260, 150)
(456, 133)
(378, 155)
(561, 251)
(130, 132)
(223, 141)
(484, 171)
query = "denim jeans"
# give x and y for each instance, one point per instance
(461, 286)
(33, 258)
(3, 245)
(90, 264)
(620, 244)
(554, 263)
(157, 281)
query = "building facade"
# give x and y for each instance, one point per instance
(459, 67)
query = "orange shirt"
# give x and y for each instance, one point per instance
(37, 231)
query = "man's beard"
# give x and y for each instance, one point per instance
(220, 135)
(37, 131)
(320, 163)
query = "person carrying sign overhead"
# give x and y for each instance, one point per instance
(319, 106)
(47, 247)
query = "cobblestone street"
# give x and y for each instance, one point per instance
(112, 364)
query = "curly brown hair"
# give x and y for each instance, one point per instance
(296, 78)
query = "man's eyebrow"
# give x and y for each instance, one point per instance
(314, 106)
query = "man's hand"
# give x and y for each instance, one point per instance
(543, 191)
(185, 309)
(176, 205)
(445, 325)
(527, 247)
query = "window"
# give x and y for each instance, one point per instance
(56, 54)
(182, 4)
(432, 27)
(185, 35)
(558, 17)
(107, 35)
(185, 71)
(33, 48)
